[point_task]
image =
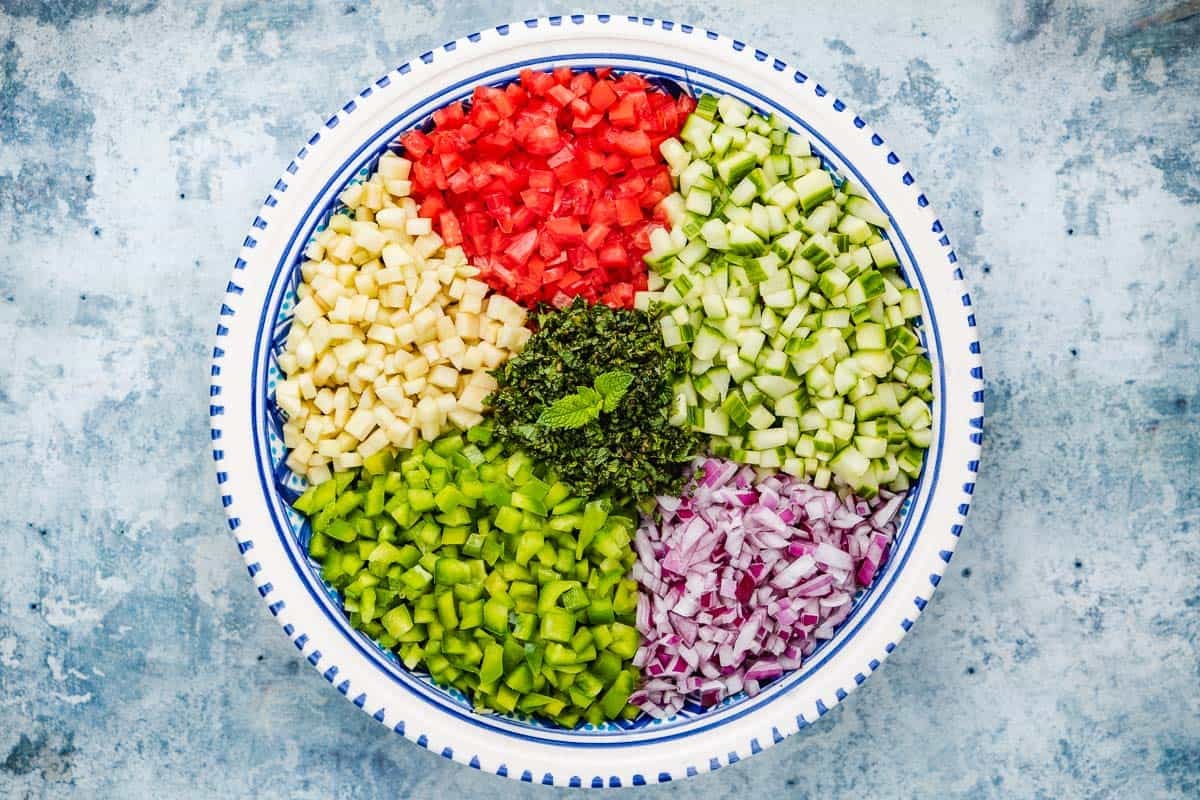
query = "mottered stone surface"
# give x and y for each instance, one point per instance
(1057, 141)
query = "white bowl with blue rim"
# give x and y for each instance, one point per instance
(256, 486)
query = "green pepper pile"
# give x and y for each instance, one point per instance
(487, 571)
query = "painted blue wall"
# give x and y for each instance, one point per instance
(1058, 143)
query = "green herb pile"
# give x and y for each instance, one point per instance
(590, 397)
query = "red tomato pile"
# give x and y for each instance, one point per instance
(551, 183)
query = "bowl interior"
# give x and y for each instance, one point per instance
(281, 486)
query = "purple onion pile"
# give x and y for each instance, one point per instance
(743, 576)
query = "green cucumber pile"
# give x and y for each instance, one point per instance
(780, 284)
(486, 571)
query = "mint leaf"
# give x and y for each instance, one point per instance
(613, 386)
(572, 411)
(592, 396)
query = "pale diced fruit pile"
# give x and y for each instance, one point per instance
(393, 337)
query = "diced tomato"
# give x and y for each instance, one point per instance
(632, 81)
(577, 197)
(541, 179)
(450, 162)
(633, 143)
(451, 230)
(604, 211)
(565, 230)
(602, 95)
(619, 295)
(485, 116)
(524, 218)
(587, 122)
(570, 171)
(449, 116)
(433, 205)
(416, 144)
(538, 83)
(640, 236)
(624, 113)
(548, 247)
(615, 163)
(542, 140)
(520, 247)
(561, 157)
(580, 108)
(459, 181)
(549, 183)
(660, 180)
(650, 198)
(538, 202)
(561, 95)
(628, 212)
(613, 255)
(581, 83)
(594, 159)
(595, 235)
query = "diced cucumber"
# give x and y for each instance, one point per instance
(787, 295)
(776, 386)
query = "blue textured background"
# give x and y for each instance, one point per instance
(1058, 143)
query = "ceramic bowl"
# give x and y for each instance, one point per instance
(255, 486)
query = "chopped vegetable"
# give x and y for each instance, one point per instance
(777, 280)
(392, 337)
(630, 449)
(485, 570)
(551, 183)
(743, 576)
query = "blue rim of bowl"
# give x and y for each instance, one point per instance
(276, 295)
(287, 538)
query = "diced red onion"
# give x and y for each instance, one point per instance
(742, 578)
